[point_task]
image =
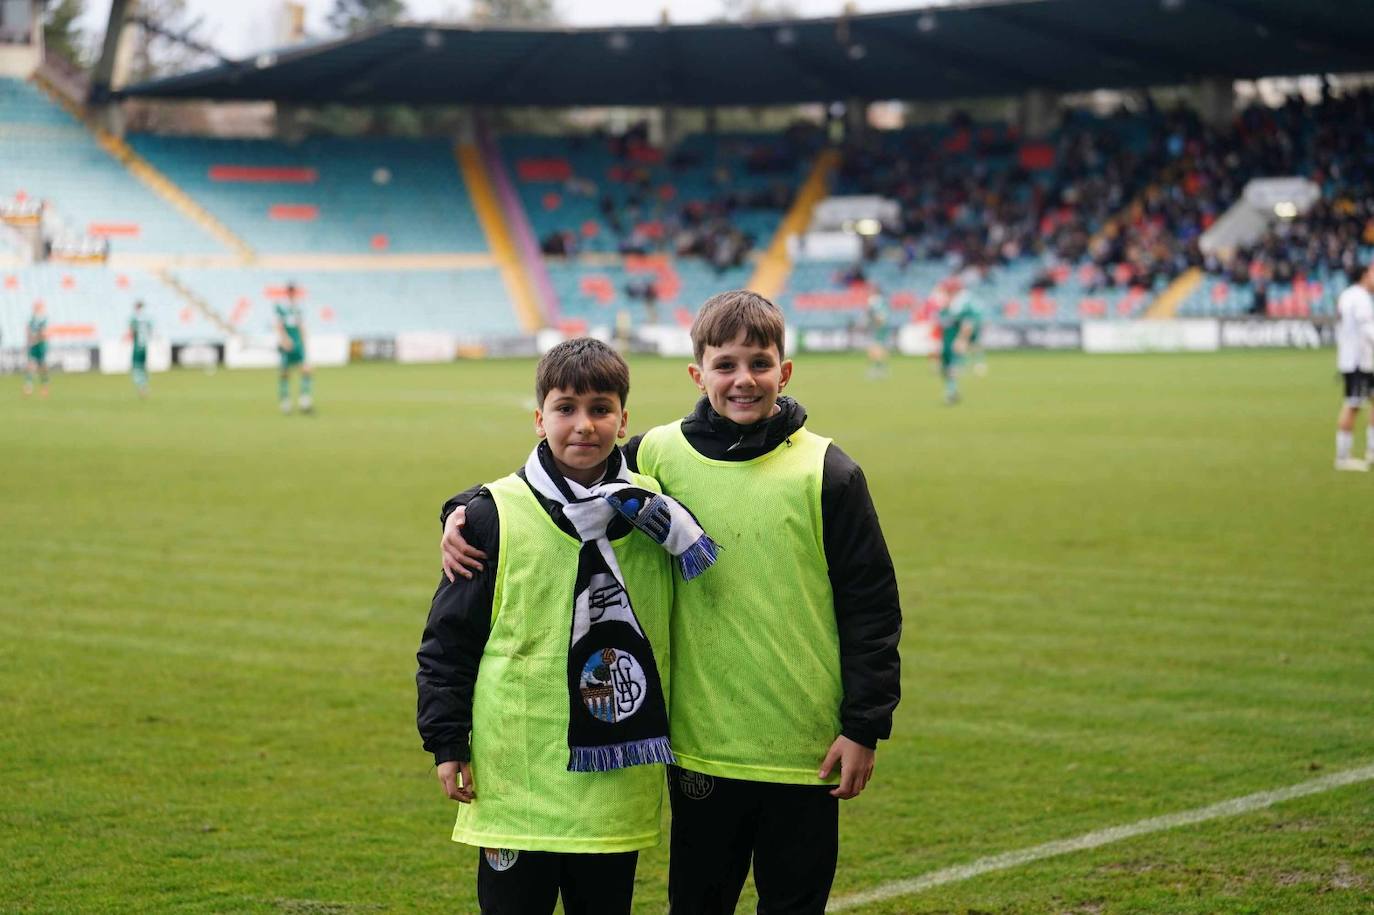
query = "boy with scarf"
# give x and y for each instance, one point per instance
(785, 663)
(543, 681)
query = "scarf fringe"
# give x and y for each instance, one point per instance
(621, 755)
(699, 557)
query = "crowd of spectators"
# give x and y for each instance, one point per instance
(971, 195)
(1330, 143)
(1128, 207)
(649, 216)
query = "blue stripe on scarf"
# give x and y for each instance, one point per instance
(619, 755)
(698, 557)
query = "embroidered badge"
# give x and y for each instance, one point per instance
(500, 859)
(613, 685)
(694, 785)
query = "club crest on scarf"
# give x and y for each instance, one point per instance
(613, 685)
(617, 716)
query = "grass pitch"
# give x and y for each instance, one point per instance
(1133, 585)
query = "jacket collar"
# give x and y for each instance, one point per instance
(715, 436)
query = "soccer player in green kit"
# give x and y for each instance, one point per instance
(785, 660)
(553, 742)
(140, 333)
(960, 323)
(291, 348)
(878, 328)
(37, 340)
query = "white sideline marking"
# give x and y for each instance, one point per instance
(1100, 837)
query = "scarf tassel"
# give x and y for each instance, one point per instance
(699, 557)
(621, 755)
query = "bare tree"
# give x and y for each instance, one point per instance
(757, 10)
(62, 32)
(356, 15)
(531, 12)
(169, 42)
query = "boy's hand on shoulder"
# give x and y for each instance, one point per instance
(457, 555)
(456, 777)
(856, 767)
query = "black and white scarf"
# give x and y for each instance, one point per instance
(616, 713)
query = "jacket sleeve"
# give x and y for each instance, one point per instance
(868, 612)
(451, 647)
(463, 498)
(631, 450)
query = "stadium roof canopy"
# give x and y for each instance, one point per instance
(987, 48)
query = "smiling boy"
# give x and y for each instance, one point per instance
(785, 659)
(543, 680)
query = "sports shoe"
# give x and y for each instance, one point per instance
(286, 407)
(1352, 464)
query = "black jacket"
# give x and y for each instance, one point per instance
(459, 624)
(868, 613)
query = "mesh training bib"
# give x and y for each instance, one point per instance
(526, 798)
(756, 655)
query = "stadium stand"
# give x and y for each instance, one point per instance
(664, 231)
(325, 195)
(652, 288)
(1299, 267)
(46, 154)
(361, 303)
(87, 304)
(713, 198)
(1039, 214)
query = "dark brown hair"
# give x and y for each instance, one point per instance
(581, 365)
(726, 315)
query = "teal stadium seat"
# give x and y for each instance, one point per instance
(326, 195)
(87, 304)
(471, 304)
(47, 155)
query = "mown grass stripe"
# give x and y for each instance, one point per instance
(1097, 838)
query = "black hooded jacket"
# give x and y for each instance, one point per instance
(868, 612)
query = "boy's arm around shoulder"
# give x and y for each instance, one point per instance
(463, 498)
(868, 611)
(455, 635)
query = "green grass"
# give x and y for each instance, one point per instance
(1132, 585)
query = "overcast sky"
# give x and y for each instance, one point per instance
(242, 27)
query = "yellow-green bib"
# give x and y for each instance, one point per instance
(756, 655)
(526, 798)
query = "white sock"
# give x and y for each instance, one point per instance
(1344, 441)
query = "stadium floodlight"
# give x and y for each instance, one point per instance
(1286, 209)
(868, 227)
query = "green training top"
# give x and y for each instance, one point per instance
(140, 331)
(756, 654)
(526, 797)
(959, 311)
(38, 328)
(289, 314)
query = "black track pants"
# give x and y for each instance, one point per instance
(528, 882)
(790, 832)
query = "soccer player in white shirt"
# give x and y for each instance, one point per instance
(1355, 359)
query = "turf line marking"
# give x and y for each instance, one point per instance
(1100, 837)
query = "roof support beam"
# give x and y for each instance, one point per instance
(1302, 26)
(1142, 57)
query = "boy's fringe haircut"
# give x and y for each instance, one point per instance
(582, 365)
(725, 315)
